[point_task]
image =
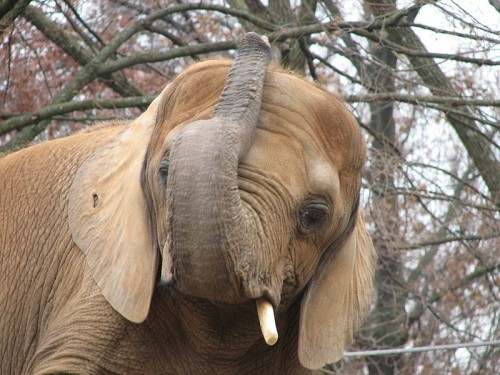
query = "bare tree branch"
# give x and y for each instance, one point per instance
(444, 240)
(22, 120)
(421, 53)
(91, 69)
(419, 309)
(422, 100)
(150, 57)
(72, 47)
(447, 32)
(9, 10)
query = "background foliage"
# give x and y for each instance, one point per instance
(422, 78)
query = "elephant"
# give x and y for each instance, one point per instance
(146, 246)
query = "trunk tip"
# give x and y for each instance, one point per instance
(255, 39)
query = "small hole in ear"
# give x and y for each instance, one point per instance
(96, 199)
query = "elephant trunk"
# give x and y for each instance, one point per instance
(209, 237)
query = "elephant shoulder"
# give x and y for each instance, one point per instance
(62, 152)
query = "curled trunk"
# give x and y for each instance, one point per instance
(208, 237)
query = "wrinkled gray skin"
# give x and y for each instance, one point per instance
(214, 189)
(223, 229)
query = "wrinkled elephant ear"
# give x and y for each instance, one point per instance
(109, 222)
(337, 300)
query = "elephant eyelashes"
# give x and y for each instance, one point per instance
(163, 171)
(312, 216)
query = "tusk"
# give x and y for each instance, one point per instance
(266, 320)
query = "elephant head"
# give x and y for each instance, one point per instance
(239, 182)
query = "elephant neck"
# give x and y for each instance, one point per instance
(228, 329)
(224, 338)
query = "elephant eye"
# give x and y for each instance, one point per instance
(312, 217)
(163, 171)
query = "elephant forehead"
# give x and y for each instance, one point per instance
(297, 161)
(314, 116)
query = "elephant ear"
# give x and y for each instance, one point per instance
(337, 300)
(108, 220)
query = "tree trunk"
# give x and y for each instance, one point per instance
(477, 146)
(388, 320)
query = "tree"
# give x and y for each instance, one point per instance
(422, 79)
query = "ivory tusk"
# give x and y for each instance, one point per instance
(266, 319)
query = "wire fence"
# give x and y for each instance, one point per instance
(363, 353)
